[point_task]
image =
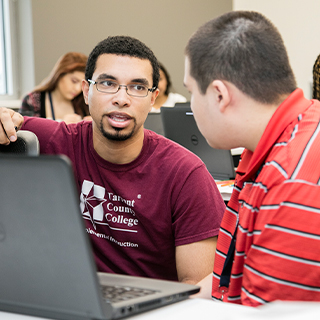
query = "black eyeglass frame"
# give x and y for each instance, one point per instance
(93, 82)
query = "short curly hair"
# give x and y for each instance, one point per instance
(316, 79)
(125, 46)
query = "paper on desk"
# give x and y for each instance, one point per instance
(225, 188)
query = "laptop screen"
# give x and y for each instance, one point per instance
(180, 126)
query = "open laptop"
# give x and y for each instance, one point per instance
(154, 123)
(47, 267)
(179, 125)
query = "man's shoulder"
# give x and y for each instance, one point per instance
(47, 127)
(290, 159)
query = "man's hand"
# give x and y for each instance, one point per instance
(206, 288)
(10, 121)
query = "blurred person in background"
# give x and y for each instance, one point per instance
(59, 96)
(316, 79)
(165, 97)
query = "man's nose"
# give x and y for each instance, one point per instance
(121, 97)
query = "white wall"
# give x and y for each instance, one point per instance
(25, 42)
(298, 22)
(165, 26)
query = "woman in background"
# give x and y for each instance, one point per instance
(165, 97)
(59, 96)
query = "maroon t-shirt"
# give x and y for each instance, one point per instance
(137, 213)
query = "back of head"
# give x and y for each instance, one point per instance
(245, 49)
(125, 46)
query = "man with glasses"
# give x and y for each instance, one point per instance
(150, 207)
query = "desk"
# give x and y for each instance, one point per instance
(226, 191)
(236, 151)
(194, 309)
(201, 309)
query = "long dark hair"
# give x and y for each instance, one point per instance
(169, 83)
(316, 79)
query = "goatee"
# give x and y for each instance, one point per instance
(117, 135)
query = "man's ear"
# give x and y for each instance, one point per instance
(85, 90)
(154, 95)
(221, 93)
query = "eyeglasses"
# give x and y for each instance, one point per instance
(132, 89)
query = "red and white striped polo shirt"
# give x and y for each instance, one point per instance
(276, 203)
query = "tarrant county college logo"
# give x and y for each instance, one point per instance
(92, 200)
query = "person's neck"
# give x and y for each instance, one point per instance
(160, 101)
(117, 152)
(259, 120)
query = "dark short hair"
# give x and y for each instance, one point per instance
(125, 46)
(246, 49)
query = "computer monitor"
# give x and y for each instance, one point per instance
(179, 125)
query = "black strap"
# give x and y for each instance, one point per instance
(43, 104)
(226, 271)
(51, 104)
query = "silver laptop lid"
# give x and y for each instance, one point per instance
(47, 266)
(37, 246)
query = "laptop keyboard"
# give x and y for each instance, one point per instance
(118, 293)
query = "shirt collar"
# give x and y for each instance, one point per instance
(287, 112)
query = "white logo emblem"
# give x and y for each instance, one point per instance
(92, 196)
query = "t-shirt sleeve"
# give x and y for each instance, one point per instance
(198, 208)
(44, 129)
